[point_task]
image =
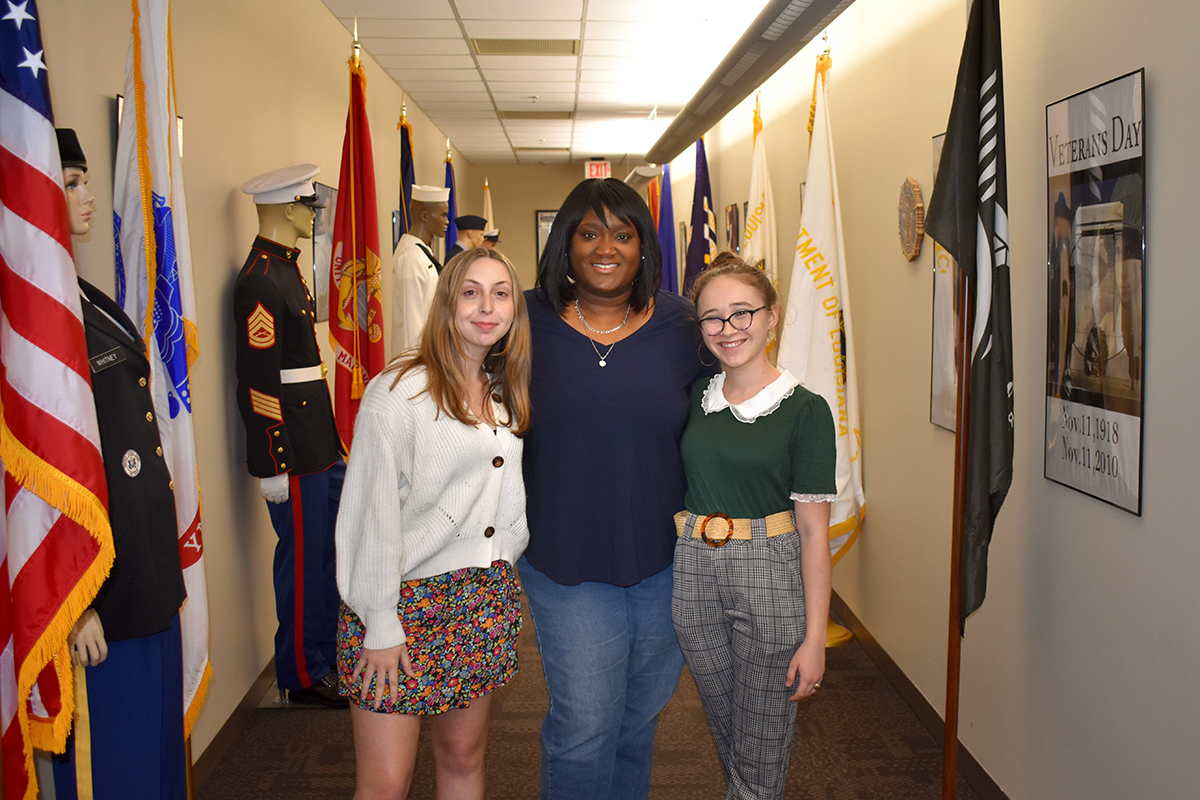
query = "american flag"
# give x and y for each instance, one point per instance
(57, 544)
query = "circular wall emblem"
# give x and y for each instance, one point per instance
(912, 219)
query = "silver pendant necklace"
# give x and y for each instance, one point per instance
(579, 311)
(603, 358)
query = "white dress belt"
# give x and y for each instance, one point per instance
(302, 374)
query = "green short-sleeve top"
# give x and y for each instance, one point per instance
(753, 459)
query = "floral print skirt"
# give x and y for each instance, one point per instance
(461, 630)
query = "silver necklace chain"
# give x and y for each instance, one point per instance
(603, 358)
(579, 311)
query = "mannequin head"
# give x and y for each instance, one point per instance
(75, 178)
(285, 222)
(429, 211)
(285, 199)
(429, 220)
(470, 230)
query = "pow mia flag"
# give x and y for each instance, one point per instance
(968, 216)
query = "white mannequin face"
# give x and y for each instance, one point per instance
(474, 237)
(302, 219)
(79, 200)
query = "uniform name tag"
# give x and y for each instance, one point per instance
(106, 360)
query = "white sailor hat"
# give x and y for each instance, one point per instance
(431, 194)
(492, 235)
(286, 185)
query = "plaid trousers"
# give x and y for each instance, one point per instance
(738, 612)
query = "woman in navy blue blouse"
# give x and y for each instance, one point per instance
(613, 360)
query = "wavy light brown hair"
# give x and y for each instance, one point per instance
(441, 354)
(726, 263)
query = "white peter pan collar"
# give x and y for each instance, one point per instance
(762, 404)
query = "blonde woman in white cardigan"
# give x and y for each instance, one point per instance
(432, 520)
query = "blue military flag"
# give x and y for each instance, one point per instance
(703, 244)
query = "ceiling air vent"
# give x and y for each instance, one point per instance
(526, 47)
(540, 115)
(542, 150)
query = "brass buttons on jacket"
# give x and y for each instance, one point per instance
(498, 461)
(158, 451)
(141, 381)
(149, 416)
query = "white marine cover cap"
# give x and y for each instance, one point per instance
(431, 194)
(284, 185)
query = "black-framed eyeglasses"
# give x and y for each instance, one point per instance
(740, 320)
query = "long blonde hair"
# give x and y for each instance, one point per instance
(440, 352)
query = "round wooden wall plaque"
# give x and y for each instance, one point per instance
(912, 219)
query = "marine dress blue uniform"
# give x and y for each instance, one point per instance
(290, 429)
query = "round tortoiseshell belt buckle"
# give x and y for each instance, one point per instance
(704, 526)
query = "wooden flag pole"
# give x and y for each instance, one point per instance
(966, 324)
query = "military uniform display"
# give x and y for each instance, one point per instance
(135, 697)
(416, 275)
(290, 429)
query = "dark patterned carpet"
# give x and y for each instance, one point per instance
(856, 740)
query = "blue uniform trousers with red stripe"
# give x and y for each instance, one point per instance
(306, 596)
(135, 710)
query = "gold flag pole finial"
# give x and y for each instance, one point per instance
(357, 56)
(403, 108)
(447, 149)
(825, 39)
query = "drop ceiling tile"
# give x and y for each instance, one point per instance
(519, 101)
(422, 75)
(405, 46)
(520, 9)
(435, 107)
(630, 48)
(411, 62)
(405, 28)
(537, 63)
(506, 29)
(656, 10)
(530, 75)
(539, 88)
(426, 87)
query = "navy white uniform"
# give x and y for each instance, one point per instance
(290, 428)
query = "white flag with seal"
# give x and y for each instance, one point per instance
(816, 343)
(154, 286)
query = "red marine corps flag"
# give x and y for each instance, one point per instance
(356, 287)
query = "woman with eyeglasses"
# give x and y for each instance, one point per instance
(752, 568)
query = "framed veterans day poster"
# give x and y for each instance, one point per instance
(1096, 181)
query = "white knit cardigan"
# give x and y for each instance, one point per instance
(424, 495)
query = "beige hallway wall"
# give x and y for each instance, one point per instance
(1078, 673)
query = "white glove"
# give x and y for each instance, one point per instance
(275, 489)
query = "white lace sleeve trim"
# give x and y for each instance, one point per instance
(814, 498)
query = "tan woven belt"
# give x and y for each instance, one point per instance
(723, 527)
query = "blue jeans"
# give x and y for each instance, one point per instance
(612, 662)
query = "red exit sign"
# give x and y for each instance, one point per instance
(599, 169)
